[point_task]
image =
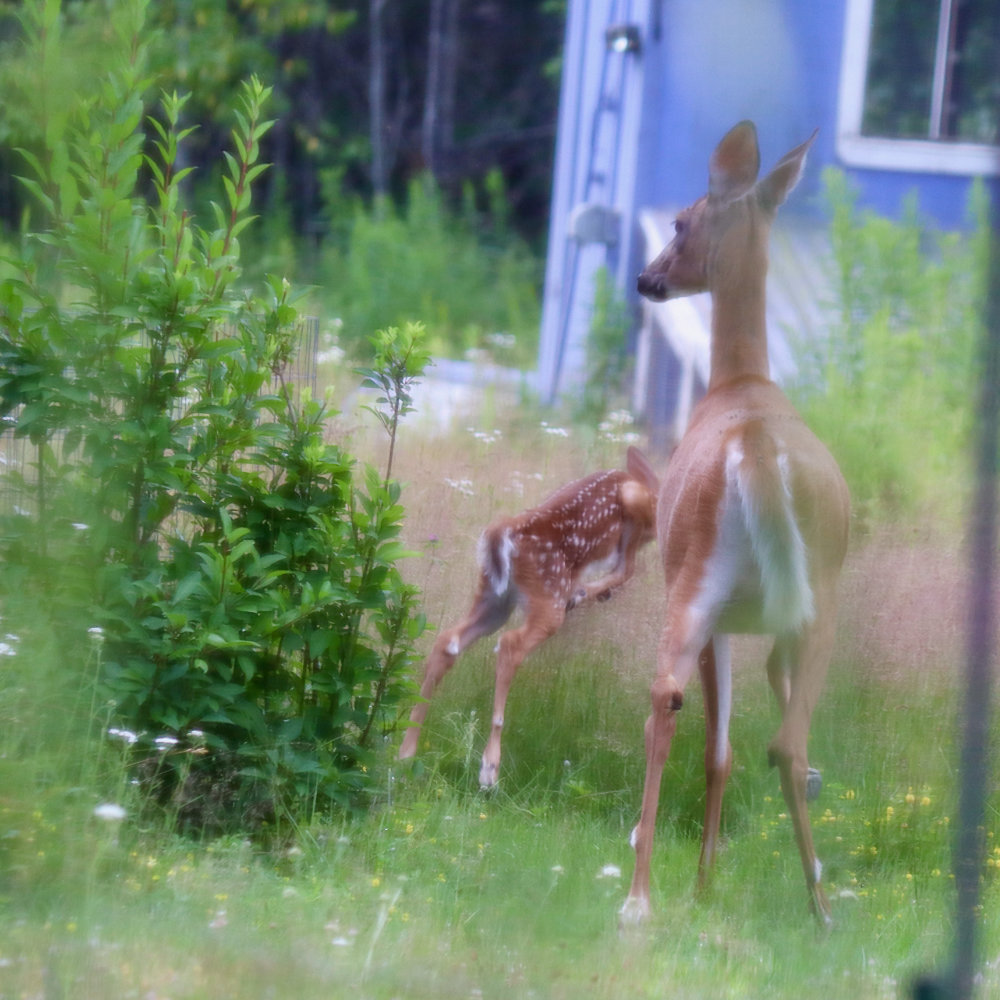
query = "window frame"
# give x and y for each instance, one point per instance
(883, 152)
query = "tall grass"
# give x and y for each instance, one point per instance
(476, 295)
(443, 891)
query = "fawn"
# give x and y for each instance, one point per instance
(543, 560)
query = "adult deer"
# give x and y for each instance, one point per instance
(545, 559)
(752, 515)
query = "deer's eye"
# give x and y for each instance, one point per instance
(679, 227)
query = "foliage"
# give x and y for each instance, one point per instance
(256, 630)
(438, 891)
(497, 113)
(898, 366)
(429, 263)
(400, 358)
(444, 249)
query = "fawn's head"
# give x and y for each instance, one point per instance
(725, 230)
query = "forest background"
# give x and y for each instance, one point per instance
(397, 123)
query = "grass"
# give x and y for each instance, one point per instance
(442, 891)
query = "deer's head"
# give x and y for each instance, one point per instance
(727, 228)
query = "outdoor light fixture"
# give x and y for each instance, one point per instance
(622, 38)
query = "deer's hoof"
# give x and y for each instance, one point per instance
(634, 912)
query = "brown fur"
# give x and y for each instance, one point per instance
(752, 517)
(542, 560)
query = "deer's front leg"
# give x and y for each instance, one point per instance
(543, 620)
(675, 664)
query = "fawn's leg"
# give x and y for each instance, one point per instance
(542, 619)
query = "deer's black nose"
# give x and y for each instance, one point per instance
(652, 286)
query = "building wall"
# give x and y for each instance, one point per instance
(777, 62)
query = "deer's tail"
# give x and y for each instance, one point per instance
(763, 482)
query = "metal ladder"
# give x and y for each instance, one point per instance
(593, 218)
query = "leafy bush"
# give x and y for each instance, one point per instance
(897, 370)
(255, 632)
(427, 263)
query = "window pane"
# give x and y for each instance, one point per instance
(974, 105)
(901, 68)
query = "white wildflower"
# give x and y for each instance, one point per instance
(110, 812)
(618, 426)
(501, 339)
(464, 486)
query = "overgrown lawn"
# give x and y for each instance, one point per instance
(440, 890)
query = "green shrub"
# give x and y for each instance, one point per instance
(898, 368)
(240, 571)
(424, 262)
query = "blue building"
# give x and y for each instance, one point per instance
(904, 94)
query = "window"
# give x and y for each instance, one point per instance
(920, 85)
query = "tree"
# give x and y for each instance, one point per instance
(462, 89)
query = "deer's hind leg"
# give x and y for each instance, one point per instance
(717, 685)
(489, 612)
(779, 674)
(808, 656)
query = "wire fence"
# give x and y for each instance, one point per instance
(19, 457)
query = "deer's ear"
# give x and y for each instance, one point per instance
(735, 163)
(774, 188)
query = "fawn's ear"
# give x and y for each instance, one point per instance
(638, 467)
(774, 188)
(735, 163)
